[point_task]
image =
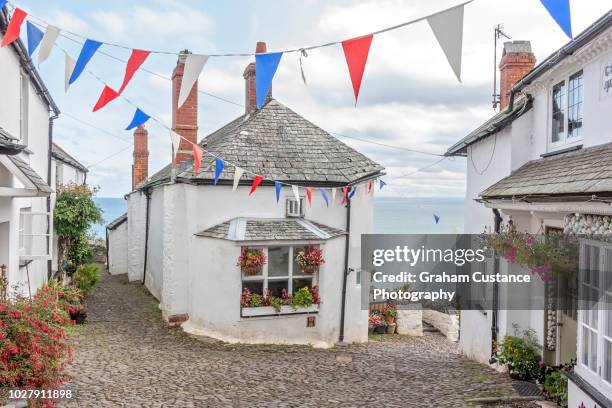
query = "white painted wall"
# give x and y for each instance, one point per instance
(137, 204)
(118, 249)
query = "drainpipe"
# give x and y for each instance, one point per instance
(495, 302)
(49, 231)
(107, 263)
(346, 269)
(146, 248)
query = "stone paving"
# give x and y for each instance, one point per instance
(126, 356)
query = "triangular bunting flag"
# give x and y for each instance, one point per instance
(237, 174)
(51, 34)
(277, 187)
(356, 53)
(265, 67)
(296, 193)
(108, 94)
(197, 158)
(218, 169)
(194, 64)
(14, 27)
(436, 218)
(352, 192)
(559, 10)
(256, 180)
(2, 3)
(69, 67)
(176, 142)
(382, 184)
(89, 49)
(344, 195)
(333, 191)
(324, 195)
(369, 186)
(447, 26)
(137, 58)
(139, 119)
(34, 37)
(309, 195)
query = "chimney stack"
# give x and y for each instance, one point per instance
(140, 168)
(185, 119)
(517, 60)
(250, 101)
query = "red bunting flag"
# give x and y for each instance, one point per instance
(256, 180)
(309, 195)
(356, 53)
(137, 58)
(369, 186)
(107, 95)
(197, 158)
(345, 191)
(14, 26)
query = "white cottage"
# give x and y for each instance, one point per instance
(27, 112)
(545, 162)
(185, 234)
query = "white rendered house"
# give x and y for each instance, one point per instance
(185, 234)
(27, 112)
(544, 162)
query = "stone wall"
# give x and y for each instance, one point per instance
(410, 322)
(447, 323)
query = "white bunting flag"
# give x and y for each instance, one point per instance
(333, 191)
(194, 64)
(176, 142)
(47, 42)
(70, 63)
(296, 193)
(447, 26)
(237, 174)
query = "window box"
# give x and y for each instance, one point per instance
(269, 311)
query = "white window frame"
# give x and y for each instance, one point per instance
(264, 274)
(24, 90)
(564, 140)
(26, 232)
(291, 204)
(595, 378)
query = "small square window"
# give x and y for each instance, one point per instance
(295, 208)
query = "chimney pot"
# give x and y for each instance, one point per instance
(517, 60)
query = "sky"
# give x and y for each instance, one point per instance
(409, 95)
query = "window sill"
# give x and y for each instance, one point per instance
(269, 311)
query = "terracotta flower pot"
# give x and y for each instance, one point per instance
(251, 270)
(390, 319)
(309, 269)
(391, 328)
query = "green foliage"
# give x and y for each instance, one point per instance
(302, 298)
(276, 303)
(256, 300)
(555, 386)
(521, 354)
(75, 212)
(86, 277)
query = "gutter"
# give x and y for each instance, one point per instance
(146, 248)
(495, 304)
(346, 270)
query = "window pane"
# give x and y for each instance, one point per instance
(575, 86)
(300, 283)
(253, 286)
(593, 351)
(275, 287)
(607, 371)
(558, 112)
(585, 345)
(278, 261)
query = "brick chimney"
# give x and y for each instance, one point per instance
(185, 119)
(140, 168)
(517, 60)
(250, 102)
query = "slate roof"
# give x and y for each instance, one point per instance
(279, 144)
(586, 171)
(266, 229)
(496, 123)
(9, 144)
(29, 172)
(61, 155)
(117, 222)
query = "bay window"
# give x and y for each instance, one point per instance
(567, 107)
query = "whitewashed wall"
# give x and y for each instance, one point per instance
(137, 204)
(118, 249)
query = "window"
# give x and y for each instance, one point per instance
(59, 174)
(34, 239)
(280, 272)
(595, 315)
(295, 208)
(567, 103)
(24, 87)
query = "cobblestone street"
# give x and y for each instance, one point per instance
(126, 356)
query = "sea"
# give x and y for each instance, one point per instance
(391, 215)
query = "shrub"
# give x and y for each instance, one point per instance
(79, 252)
(521, 354)
(302, 298)
(85, 277)
(555, 386)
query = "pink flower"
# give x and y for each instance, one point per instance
(541, 363)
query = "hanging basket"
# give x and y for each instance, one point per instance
(251, 270)
(309, 269)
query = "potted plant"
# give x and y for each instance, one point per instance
(251, 261)
(374, 321)
(309, 260)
